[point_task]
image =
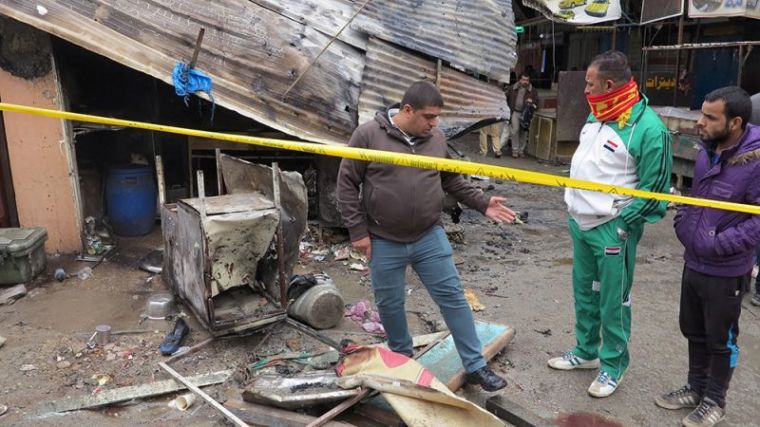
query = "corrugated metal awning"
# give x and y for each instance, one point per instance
(474, 36)
(389, 70)
(256, 49)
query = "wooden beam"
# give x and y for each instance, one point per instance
(197, 50)
(128, 393)
(273, 417)
(230, 416)
(514, 414)
(160, 180)
(489, 351)
(324, 49)
(338, 409)
(191, 350)
(280, 237)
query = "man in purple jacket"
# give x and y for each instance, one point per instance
(720, 253)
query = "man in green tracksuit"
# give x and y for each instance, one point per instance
(624, 143)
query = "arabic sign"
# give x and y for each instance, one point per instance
(713, 8)
(655, 10)
(660, 87)
(656, 82)
(577, 11)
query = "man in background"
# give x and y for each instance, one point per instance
(519, 96)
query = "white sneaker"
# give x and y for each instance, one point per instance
(604, 385)
(569, 361)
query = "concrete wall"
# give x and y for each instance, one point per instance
(39, 149)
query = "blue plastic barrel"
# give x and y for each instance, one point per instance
(131, 199)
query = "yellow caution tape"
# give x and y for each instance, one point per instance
(398, 159)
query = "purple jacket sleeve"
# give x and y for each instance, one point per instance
(350, 179)
(744, 236)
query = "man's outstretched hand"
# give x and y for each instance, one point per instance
(499, 213)
(364, 246)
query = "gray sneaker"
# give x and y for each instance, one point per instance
(684, 397)
(755, 299)
(707, 414)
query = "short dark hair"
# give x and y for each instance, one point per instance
(737, 102)
(422, 94)
(524, 74)
(612, 65)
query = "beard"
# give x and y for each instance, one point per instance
(718, 138)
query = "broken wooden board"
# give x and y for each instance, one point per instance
(417, 403)
(514, 413)
(128, 393)
(263, 415)
(494, 338)
(10, 295)
(444, 362)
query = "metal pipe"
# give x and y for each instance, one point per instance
(718, 45)
(280, 238)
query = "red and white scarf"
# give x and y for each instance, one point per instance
(616, 105)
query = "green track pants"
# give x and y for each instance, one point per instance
(602, 277)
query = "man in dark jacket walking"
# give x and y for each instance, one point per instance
(720, 253)
(520, 96)
(393, 215)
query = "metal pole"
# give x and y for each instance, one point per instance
(438, 67)
(201, 194)
(197, 50)
(678, 53)
(280, 238)
(219, 177)
(160, 181)
(740, 65)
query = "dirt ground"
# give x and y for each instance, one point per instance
(521, 273)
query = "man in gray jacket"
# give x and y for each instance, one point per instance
(393, 215)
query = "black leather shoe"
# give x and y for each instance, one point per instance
(487, 379)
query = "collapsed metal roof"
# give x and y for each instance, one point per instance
(390, 70)
(256, 49)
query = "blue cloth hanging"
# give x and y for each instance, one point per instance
(188, 81)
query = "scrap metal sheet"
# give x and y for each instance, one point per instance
(254, 50)
(241, 176)
(476, 36)
(252, 53)
(390, 70)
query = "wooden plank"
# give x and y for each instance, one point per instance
(191, 350)
(160, 181)
(514, 413)
(339, 408)
(446, 365)
(380, 416)
(230, 416)
(273, 417)
(366, 392)
(490, 349)
(10, 295)
(444, 362)
(128, 393)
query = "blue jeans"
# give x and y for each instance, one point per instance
(430, 256)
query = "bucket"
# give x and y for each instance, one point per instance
(321, 306)
(131, 199)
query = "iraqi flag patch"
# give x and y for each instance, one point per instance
(612, 250)
(610, 146)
